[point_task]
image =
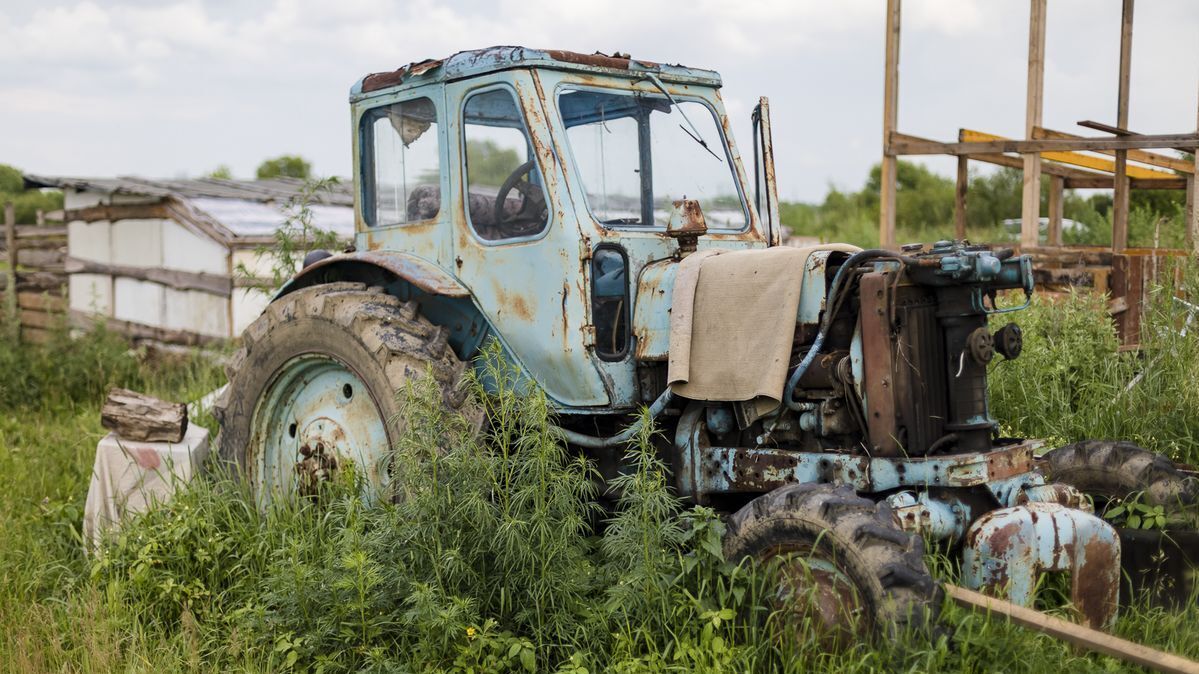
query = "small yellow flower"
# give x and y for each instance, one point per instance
(470, 632)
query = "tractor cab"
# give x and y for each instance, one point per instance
(541, 185)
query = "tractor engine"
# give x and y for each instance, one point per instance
(898, 364)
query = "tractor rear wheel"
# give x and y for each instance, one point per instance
(1114, 470)
(846, 569)
(312, 391)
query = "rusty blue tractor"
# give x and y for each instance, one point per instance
(592, 214)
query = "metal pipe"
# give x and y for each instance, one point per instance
(593, 442)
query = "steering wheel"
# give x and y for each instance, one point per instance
(532, 196)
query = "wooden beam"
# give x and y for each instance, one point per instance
(10, 269)
(86, 321)
(213, 284)
(1120, 179)
(1057, 187)
(1030, 213)
(890, 166)
(1013, 162)
(959, 198)
(1105, 182)
(1074, 158)
(1185, 141)
(1084, 637)
(1142, 156)
(112, 213)
(1192, 224)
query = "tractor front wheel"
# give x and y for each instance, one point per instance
(845, 568)
(312, 391)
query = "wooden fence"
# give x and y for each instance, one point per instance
(34, 283)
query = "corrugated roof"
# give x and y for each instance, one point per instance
(244, 207)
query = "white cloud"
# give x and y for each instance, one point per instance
(179, 86)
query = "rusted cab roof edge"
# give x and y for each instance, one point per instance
(471, 63)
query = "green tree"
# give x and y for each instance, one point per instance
(489, 164)
(223, 172)
(26, 203)
(285, 166)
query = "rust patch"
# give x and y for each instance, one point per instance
(376, 81)
(147, 458)
(616, 61)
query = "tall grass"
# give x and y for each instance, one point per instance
(492, 557)
(1072, 383)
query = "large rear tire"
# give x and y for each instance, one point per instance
(312, 391)
(849, 571)
(1114, 470)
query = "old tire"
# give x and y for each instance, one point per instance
(866, 576)
(313, 387)
(1108, 470)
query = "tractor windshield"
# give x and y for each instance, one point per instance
(637, 153)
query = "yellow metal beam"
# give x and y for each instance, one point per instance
(1142, 156)
(1072, 158)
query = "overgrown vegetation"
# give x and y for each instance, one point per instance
(1072, 382)
(26, 203)
(494, 560)
(924, 212)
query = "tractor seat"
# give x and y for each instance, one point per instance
(424, 202)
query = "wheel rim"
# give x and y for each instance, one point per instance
(816, 593)
(316, 421)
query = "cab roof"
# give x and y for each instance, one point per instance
(493, 59)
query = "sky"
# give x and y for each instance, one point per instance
(168, 88)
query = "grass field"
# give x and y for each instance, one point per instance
(512, 577)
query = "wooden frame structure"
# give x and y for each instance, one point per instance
(1045, 151)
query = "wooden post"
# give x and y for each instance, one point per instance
(1030, 217)
(1191, 224)
(959, 198)
(1120, 183)
(10, 272)
(890, 167)
(1057, 187)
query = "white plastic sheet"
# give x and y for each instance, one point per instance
(129, 476)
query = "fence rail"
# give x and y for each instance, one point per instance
(34, 283)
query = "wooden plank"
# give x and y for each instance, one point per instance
(10, 269)
(890, 166)
(40, 232)
(34, 335)
(959, 198)
(86, 321)
(1141, 156)
(1184, 141)
(39, 319)
(1030, 211)
(41, 301)
(214, 284)
(1084, 637)
(1075, 159)
(136, 416)
(41, 258)
(114, 212)
(1057, 188)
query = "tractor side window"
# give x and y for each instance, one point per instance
(610, 302)
(505, 195)
(402, 171)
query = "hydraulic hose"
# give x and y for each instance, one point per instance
(593, 442)
(831, 305)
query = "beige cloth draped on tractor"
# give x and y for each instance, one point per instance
(732, 323)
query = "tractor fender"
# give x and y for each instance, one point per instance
(441, 297)
(419, 272)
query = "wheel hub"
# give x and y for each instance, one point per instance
(815, 593)
(317, 418)
(322, 446)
